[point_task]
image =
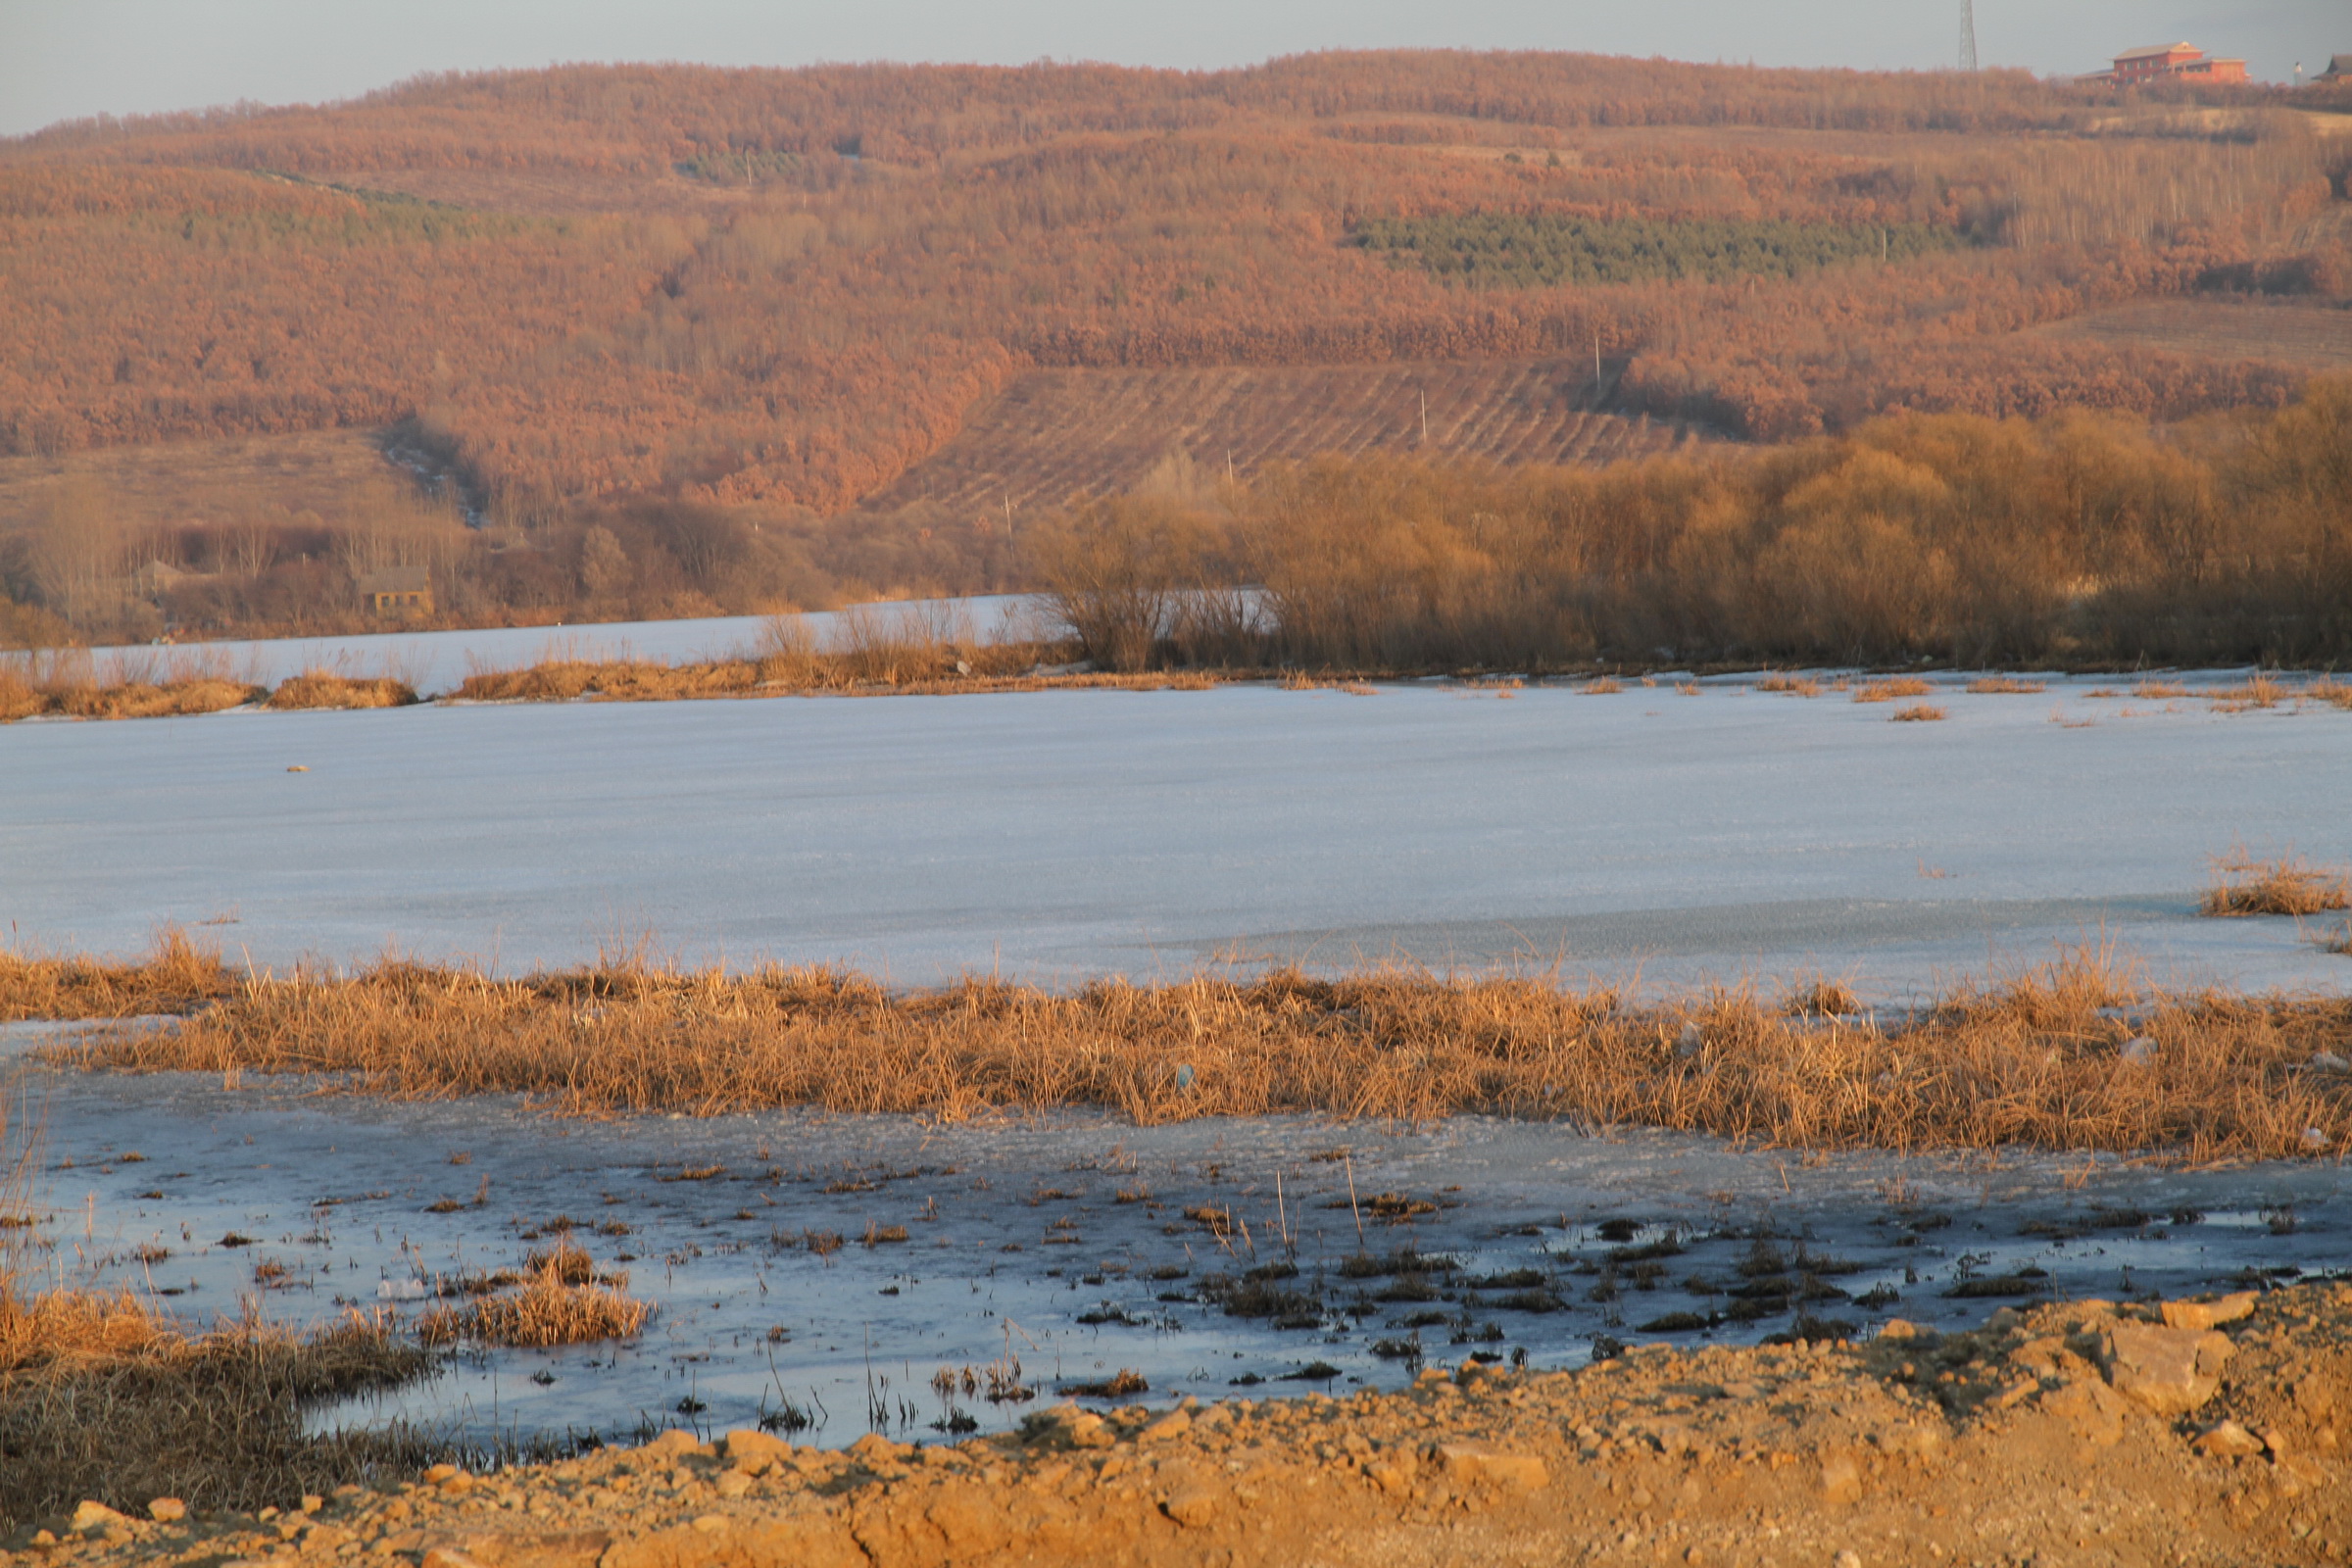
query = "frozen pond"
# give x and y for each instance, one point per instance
(437, 660)
(1061, 835)
(1080, 1245)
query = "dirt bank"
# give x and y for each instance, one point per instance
(2075, 1433)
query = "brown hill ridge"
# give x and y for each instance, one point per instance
(769, 329)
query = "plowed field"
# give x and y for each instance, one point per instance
(2315, 336)
(235, 479)
(1053, 435)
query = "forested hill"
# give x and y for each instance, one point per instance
(773, 293)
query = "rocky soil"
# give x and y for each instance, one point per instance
(2081, 1432)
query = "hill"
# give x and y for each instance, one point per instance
(679, 338)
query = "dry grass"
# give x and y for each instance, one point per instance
(2327, 689)
(2031, 1060)
(1886, 691)
(2243, 885)
(1821, 998)
(1793, 685)
(2004, 685)
(100, 1397)
(560, 1300)
(2337, 941)
(877, 666)
(1917, 713)
(318, 688)
(175, 976)
(70, 683)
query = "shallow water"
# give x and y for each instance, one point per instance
(1059, 836)
(1021, 1243)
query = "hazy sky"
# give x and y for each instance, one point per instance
(62, 59)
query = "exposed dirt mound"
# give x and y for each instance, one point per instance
(2085, 1431)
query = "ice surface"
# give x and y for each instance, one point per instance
(1061, 835)
(437, 660)
(1018, 1232)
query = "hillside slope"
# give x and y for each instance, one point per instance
(1054, 434)
(646, 298)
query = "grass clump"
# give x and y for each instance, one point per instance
(1886, 691)
(2243, 885)
(1997, 685)
(560, 1300)
(1917, 713)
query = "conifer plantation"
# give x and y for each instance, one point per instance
(604, 342)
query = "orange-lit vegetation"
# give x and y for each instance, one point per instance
(318, 688)
(71, 683)
(2031, 1060)
(655, 325)
(2075, 540)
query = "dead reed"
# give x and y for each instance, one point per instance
(1917, 713)
(1886, 691)
(1997, 685)
(1793, 685)
(2030, 1059)
(2243, 885)
(318, 688)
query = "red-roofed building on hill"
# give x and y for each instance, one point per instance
(2167, 62)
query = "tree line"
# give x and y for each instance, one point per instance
(2081, 539)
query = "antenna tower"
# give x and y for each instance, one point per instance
(1968, 34)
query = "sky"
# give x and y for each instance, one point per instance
(69, 59)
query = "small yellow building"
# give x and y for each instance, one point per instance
(403, 591)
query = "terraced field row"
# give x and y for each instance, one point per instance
(1055, 435)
